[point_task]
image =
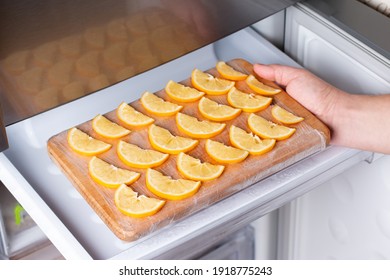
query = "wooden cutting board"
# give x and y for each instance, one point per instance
(310, 137)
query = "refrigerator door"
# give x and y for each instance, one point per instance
(346, 217)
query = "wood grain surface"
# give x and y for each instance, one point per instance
(310, 137)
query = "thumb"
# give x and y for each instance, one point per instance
(278, 73)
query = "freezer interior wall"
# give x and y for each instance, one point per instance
(347, 217)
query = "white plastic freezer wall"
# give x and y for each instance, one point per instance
(348, 217)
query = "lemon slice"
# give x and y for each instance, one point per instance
(210, 84)
(130, 204)
(193, 169)
(182, 93)
(134, 156)
(162, 140)
(224, 154)
(156, 105)
(132, 117)
(228, 72)
(107, 128)
(248, 102)
(109, 175)
(196, 128)
(284, 116)
(259, 87)
(267, 129)
(215, 111)
(84, 144)
(168, 188)
(250, 142)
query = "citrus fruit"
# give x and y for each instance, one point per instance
(162, 140)
(84, 144)
(130, 204)
(267, 129)
(196, 128)
(109, 175)
(182, 93)
(156, 105)
(210, 84)
(193, 169)
(106, 128)
(250, 142)
(284, 116)
(224, 154)
(215, 111)
(134, 156)
(132, 117)
(168, 188)
(258, 87)
(228, 72)
(248, 102)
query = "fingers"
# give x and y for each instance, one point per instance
(278, 73)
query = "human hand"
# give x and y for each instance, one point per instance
(356, 121)
(313, 93)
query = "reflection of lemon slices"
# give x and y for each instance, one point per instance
(162, 140)
(248, 102)
(109, 175)
(129, 203)
(159, 106)
(193, 169)
(196, 128)
(210, 84)
(224, 154)
(259, 87)
(267, 129)
(228, 72)
(215, 111)
(168, 188)
(132, 117)
(182, 93)
(107, 128)
(284, 116)
(249, 141)
(84, 144)
(134, 156)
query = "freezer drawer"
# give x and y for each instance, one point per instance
(74, 227)
(20, 236)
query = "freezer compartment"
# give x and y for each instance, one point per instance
(69, 221)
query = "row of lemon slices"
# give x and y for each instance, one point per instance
(164, 143)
